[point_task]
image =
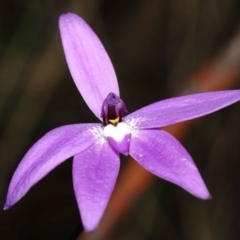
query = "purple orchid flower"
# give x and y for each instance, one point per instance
(96, 147)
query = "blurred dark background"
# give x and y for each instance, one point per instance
(158, 48)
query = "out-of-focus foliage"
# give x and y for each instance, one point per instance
(155, 46)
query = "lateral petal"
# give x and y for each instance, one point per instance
(161, 154)
(47, 153)
(178, 109)
(88, 61)
(95, 172)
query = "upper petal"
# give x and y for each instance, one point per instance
(48, 152)
(95, 172)
(179, 109)
(88, 61)
(164, 156)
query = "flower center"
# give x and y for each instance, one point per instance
(112, 109)
(118, 136)
(116, 132)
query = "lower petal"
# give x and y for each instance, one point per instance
(47, 153)
(94, 175)
(161, 154)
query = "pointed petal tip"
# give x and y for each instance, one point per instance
(205, 196)
(90, 227)
(201, 191)
(209, 197)
(63, 14)
(6, 206)
(66, 15)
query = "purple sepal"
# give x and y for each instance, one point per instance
(162, 155)
(94, 175)
(178, 109)
(88, 61)
(47, 153)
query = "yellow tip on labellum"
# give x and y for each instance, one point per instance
(114, 121)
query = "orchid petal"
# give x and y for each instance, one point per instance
(47, 153)
(179, 109)
(88, 62)
(162, 155)
(95, 172)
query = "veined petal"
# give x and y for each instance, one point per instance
(94, 175)
(47, 153)
(179, 109)
(88, 61)
(162, 155)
